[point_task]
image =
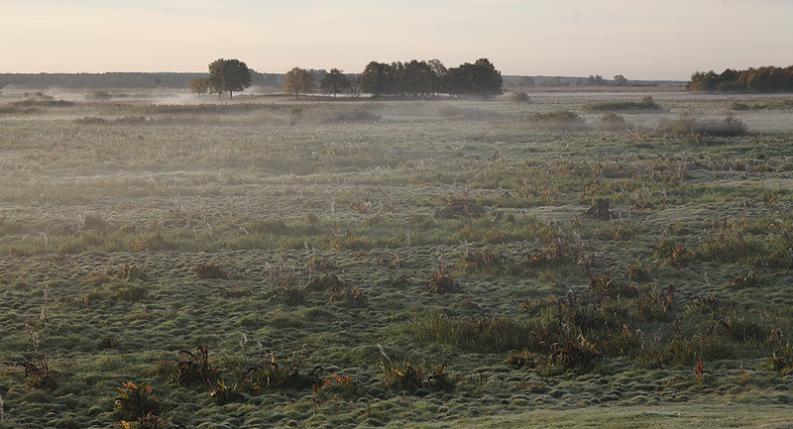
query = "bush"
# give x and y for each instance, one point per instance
(135, 401)
(685, 126)
(273, 375)
(194, 369)
(520, 97)
(563, 120)
(646, 104)
(612, 122)
(412, 379)
(781, 360)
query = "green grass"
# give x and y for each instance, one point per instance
(295, 239)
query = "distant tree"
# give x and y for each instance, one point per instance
(526, 81)
(439, 76)
(595, 80)
(199, 86)
(335, 82)
(298, 81)
(228, 76)
(418, 78)
(480, 78)
(373, 78)
(762, 79)
(355, 85)
(620, 80)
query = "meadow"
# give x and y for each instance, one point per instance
(578, 260)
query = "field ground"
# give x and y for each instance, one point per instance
(396, 263)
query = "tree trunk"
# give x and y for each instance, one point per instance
(231, 95)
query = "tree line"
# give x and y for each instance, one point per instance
(762, 79)
(413, 78)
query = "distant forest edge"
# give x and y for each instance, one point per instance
(181, 80)
(762, 79)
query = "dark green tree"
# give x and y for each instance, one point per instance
(228, 76)
(373, 79)
(335, 82)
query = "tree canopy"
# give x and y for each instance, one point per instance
(299, 81)
(763, 79)
(228, 76)
(431, 77)
(335, 82)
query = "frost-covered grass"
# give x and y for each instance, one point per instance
(291, 235)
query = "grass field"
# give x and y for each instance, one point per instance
(396, 263)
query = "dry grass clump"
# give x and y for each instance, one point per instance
(474, 260)
(274, 375)
(39, 374)
(560, 247)
(781, 359)
(350, 297)
(210, 270)
(194, 369)
(443, 281)
(407, 377)
(462, 206)
(136, 403)
(480, 334)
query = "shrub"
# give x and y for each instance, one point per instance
(276, 376)
(519, 97)
(410, 378)
(194, 369)
(336, 386)
(135, 401)
(570, 351)
(686, 126)
(39, 374)
(560, 120)
(224, 394)
(781, 359)
(612, 122)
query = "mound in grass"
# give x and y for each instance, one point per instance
(647, 104)
(686, 126)
(613, 122)
(559, 120)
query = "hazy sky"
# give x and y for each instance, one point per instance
(643, 39)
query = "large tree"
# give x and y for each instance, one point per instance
(335, 82)
(373, 79)
(298, 81)
(228, 76)
(480, 78)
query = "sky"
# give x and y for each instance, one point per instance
(641, 39)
